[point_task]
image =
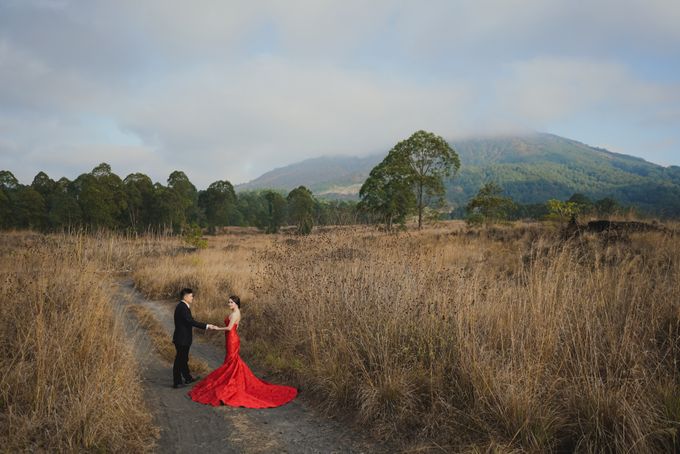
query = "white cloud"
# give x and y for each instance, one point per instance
(271, 111)
(231, 89)
(542, 91)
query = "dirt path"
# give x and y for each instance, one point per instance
(190, 427)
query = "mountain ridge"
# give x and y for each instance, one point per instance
(531, 168)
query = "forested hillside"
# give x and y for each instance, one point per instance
(530, 168)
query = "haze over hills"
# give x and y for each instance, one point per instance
(531, 168)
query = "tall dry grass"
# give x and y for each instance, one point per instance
(69, 380)
(231, 265)
(503, 339)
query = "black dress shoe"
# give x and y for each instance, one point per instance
(178, 385)
(191, 380)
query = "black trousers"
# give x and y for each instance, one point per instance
(180, 368)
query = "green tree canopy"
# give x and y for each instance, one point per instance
(585, 205)
(8, 181)
(275, 213)
(218, 203)
(490, 204)
(65, 211)
(387, 192)
(419, 165)
(301, 209)
(430, 160)
(30, 210)
(101, 196)
(44, 185)
(562, 211)
(139, 194)
(181, 199)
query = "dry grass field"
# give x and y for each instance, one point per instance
(505, 339)
(69, 381)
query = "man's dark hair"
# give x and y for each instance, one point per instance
(185, 291)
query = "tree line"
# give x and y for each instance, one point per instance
(100, 199)
(408, 183)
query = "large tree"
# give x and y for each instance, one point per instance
(140, 199)
(218, 203)
(64, 209)
(182, 198)
(44, 185)
(430, 160)
(30, 211)
(101, 195)
(418, 165)
(275, 212)
(387, 193)
(301, 209)
(251, 208)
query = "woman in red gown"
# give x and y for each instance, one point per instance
(233, 383)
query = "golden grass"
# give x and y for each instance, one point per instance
(69, 381)
(159, 339)
(231, 265)
(498, 339)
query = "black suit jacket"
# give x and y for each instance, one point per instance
(184, 323)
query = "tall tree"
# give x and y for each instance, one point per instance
(182, 198)
(30, 210)
(64, 209)
(387, 193)
(275, 213)
(139, 194)
(101, 197)
(301, 209)
(44, 185)
(251, 206)
(164, 213)
(430, 160)
(218, 203)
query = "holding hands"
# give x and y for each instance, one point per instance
(214, 327)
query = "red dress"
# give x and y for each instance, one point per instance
(234, 384)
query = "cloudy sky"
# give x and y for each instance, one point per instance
(230, 89)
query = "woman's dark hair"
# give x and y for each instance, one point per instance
(236, 299)
(185, 291)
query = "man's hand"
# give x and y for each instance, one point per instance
(209, 326)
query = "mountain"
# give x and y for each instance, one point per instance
(530, 168)
(337, 176)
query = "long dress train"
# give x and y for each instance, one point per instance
(234, 384)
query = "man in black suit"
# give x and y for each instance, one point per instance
(182, 337)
